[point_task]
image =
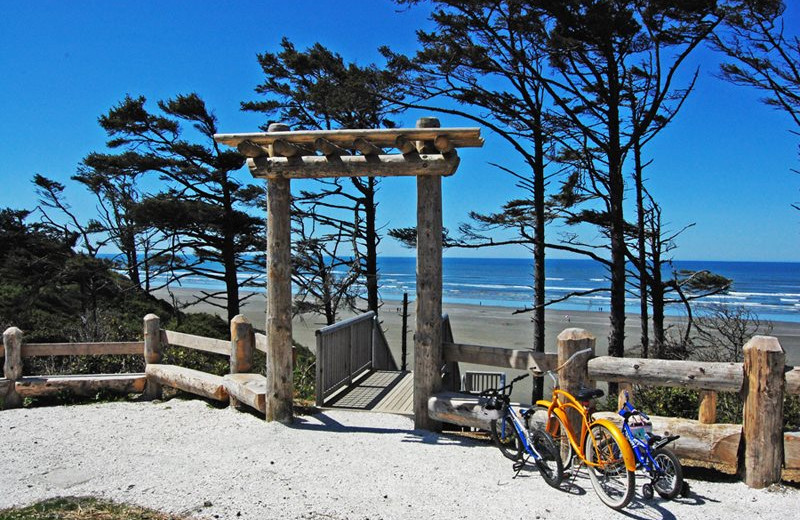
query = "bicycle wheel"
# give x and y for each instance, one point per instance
(506, 438)
(558, 431)
(670, 483)
(549, 462)
(612, 482)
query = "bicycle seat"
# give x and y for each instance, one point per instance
(585, 394)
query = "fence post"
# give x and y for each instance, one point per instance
(12, 369)
(575, 375)
(152, 352)
(243, 339)
(708, 407)
(762, 393)
(625, 387)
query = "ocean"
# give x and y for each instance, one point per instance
(770, 290)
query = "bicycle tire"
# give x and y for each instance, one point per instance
(507, 440)
(670, 484)
(558, 431)
(549, 463)
(611, 480)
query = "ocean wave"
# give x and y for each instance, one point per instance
(773, 295)
(486, 286)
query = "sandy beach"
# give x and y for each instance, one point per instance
(485, 325)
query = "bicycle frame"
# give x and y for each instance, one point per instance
(521, 430)
(558, 408)
(641, 449)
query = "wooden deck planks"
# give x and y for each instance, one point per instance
(381, 391)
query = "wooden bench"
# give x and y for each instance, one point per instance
(188, 380)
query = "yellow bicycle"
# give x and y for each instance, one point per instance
(601, 446)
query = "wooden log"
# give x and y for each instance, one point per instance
(573, 375)
(428, 338)
(82, 349)
(708, 443)
(499, 357)
(278, 406)
(455, 408)
(382, 137)
(283, 148)
(12, 365)
(405, 145)
(261, 342)
(86, 385)
(250, 149)
(152, 352)
(366, 147)
(328, 148)
(249, 389)
(722, 377)
(762, 427)
(792, 375)
(708, 407)
(214, 346)
(188, 380)
(443, 144)
(317, 167)
(625, 394)
(791, 450)
(426, 146)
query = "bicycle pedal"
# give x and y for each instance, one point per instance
(518, 466)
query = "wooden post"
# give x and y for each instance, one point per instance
(574, 375)
(428, 337)
(243, 341)
(152, 353)
(625, 387)
(279, 297)
(762, 393)
(404, 338)
(12, 369)
(708, 407)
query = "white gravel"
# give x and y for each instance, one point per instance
(185, 456)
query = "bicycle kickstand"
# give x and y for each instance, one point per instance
(518, 465)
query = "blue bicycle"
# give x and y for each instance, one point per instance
(517, 442)
(661, 465)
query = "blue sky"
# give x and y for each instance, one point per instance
(725, 162)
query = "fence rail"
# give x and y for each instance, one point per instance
(758, 448)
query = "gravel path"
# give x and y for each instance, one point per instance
(185, 456)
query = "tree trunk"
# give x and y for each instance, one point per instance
(643, 309)
(538, 253)
(372, 246)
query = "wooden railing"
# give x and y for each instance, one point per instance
(15, 386)
(347, 349)
(758, 448)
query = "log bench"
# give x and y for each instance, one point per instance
(250, 389)
(188, 380)
(86, 385)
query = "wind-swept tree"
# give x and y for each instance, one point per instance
(204, 209)
(599, 54)
(316, 90)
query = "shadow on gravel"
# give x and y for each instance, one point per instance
(323, 422)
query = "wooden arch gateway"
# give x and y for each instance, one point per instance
(426, 152)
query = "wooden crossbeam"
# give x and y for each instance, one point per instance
(382, 138)
(366, 147)
(315, 166)
(404, 144)
(328, 148)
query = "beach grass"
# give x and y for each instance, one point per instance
(83, 508)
